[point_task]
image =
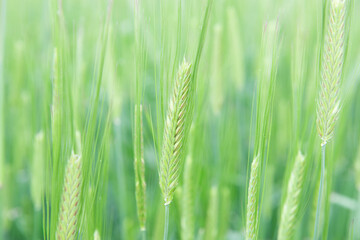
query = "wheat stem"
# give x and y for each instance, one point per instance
(2, 85)
(357, 169)
(328, 106)
(143, 234)
(187, 218)
(318, 207)
(139, 166)
(166, 226)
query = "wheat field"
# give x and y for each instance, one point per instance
(189, 120)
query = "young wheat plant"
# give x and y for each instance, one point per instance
(175, 135)
(328, 105)
(265, 96)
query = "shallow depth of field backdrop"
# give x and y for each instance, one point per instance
(96, 78)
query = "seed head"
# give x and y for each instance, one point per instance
(175, 132)
(328, 104)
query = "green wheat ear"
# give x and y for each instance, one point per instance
(69, 209)
(252, 201)
(328, 105)
(139, 166)
(176, 132)
(289, 215)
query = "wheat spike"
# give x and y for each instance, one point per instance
(69, 209)
(290, 210)
(139, 165)
(175, 132)
(252, 204)
(328, 105)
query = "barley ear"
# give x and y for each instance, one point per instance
(139, 166)
(252, 201)
(289, 215)
(328, 104)
(175, 132)
(70, 201)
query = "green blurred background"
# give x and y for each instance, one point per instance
(222, 137)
